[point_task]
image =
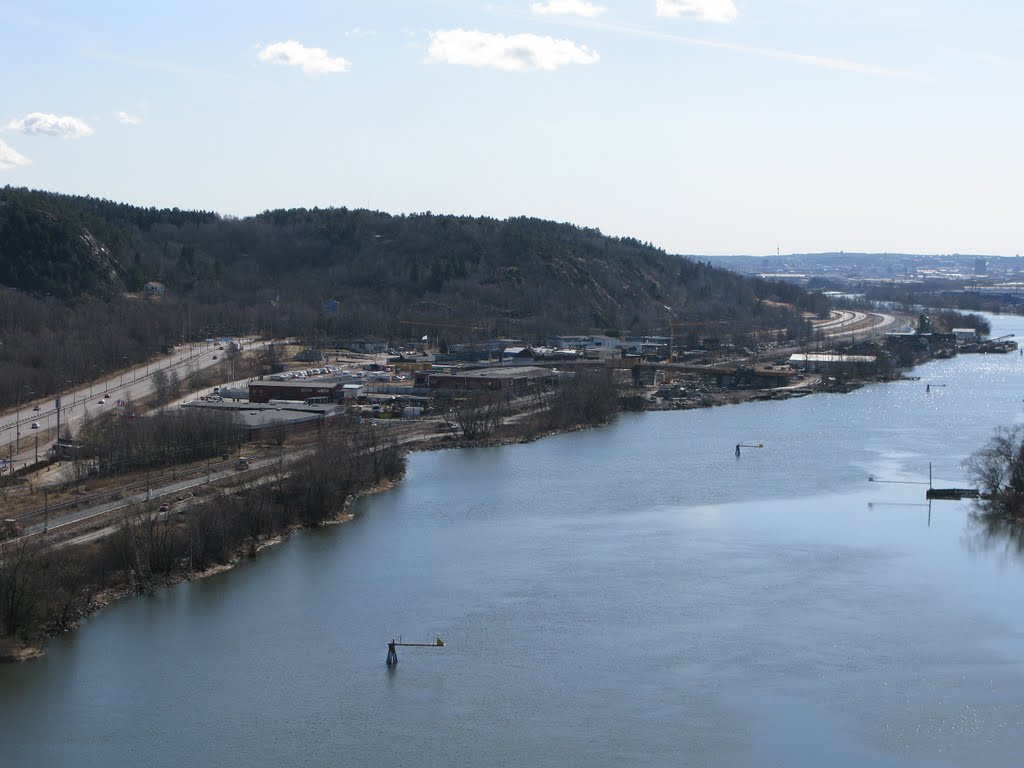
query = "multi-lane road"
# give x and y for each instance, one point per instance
(19, 441)
(846, 322)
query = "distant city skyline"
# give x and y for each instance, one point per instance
(704, 127)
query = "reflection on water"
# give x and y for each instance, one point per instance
(991, 532)
(634, 595)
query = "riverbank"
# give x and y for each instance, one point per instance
(143, 569)
(30, 650)
(776, 589)
(49, 589)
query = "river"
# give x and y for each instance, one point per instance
(634, 595)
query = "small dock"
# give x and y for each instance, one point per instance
(952, 494)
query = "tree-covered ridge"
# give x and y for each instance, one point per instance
(50, 247)
(520, 276)
(77, 265)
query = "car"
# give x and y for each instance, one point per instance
(35, 425)
(102, 400)
(165, 506)
(214, 357)
(35, 407)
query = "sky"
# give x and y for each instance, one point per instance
(704, 127)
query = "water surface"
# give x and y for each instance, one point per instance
(634, 595)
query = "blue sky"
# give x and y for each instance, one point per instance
(702, 126)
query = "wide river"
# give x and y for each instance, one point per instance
(634, 595)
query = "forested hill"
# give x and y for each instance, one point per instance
(523, 277)
(46, 247)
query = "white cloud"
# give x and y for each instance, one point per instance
(9, 158)
(313, 61)
(51, 125)
(360, 32)
(568, 7)
(825, 62)
(512, 53)
(705, 10)
(127, 119)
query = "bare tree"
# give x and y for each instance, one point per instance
(161, 386)
(478, 416)
(21, 590)
(998, 469)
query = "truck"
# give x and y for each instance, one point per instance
(9, 529)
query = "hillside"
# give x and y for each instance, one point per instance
(47, 247)
(526, 274)
(74, 268)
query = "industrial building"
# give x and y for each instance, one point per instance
(302, 390)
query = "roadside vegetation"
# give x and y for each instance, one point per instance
(47, 589)
(586, 398)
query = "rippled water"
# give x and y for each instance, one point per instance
(634, 595)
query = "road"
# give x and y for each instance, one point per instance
(262, 468)
(64, 518)
(19, 442)
(847, 322)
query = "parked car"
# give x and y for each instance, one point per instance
(35, 425)
(35, 407)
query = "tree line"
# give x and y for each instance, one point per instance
(586, 397)
(519, 277)
(46, 589)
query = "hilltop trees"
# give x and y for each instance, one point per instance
(71, 259)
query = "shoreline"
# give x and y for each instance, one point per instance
(14, 652)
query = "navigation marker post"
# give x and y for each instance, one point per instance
(392, 658)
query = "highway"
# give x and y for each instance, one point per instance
(846, 322)
(19, 442)
(96, 512)
(137, 493)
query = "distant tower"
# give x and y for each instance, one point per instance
(980, 267)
